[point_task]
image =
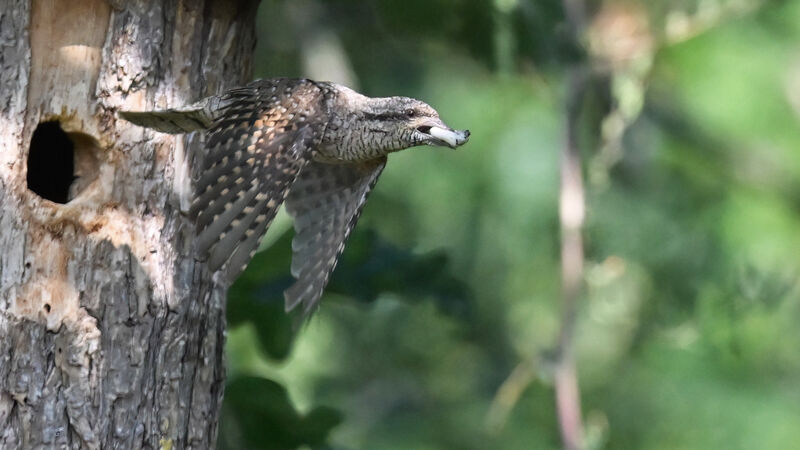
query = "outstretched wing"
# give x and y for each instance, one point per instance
(255, 150)
(325, 201)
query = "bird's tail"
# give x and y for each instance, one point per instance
(194, 117)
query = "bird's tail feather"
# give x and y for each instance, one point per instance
(194, 117)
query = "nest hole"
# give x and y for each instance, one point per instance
(61, 164)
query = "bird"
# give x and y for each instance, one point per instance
(317, 146)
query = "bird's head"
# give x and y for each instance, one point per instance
(394, 123)
(409, 122)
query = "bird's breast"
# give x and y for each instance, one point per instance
(349, 144)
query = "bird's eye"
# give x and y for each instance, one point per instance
(410, 113)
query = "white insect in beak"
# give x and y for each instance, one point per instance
(452, 138)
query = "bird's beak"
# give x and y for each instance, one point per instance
(440, 134)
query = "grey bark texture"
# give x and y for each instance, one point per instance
(111, 334)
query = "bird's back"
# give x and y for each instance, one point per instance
(266, 132)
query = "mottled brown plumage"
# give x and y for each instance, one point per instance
(318, 145)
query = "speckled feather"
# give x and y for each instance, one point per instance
(323, 145)
(254, 153)
(325, 202)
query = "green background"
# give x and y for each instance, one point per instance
(687, 335)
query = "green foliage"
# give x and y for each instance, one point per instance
(687, 335)
(259, 407)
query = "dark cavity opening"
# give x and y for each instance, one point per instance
(51, 162)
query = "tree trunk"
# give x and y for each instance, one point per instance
(111, 334)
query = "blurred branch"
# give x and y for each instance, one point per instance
(504, 35)
(621, 48)
(575, 11)
(322, 52)
(571, 214)
(681, 26)
(508, 395)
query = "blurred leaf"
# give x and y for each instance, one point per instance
(257, 297)
(371, 266)
(257, 414)
(367, 268)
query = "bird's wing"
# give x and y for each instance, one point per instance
(325, 201)
(255, 150)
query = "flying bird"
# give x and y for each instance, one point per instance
(319, 146)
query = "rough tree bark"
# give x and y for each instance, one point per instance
(111, 334)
